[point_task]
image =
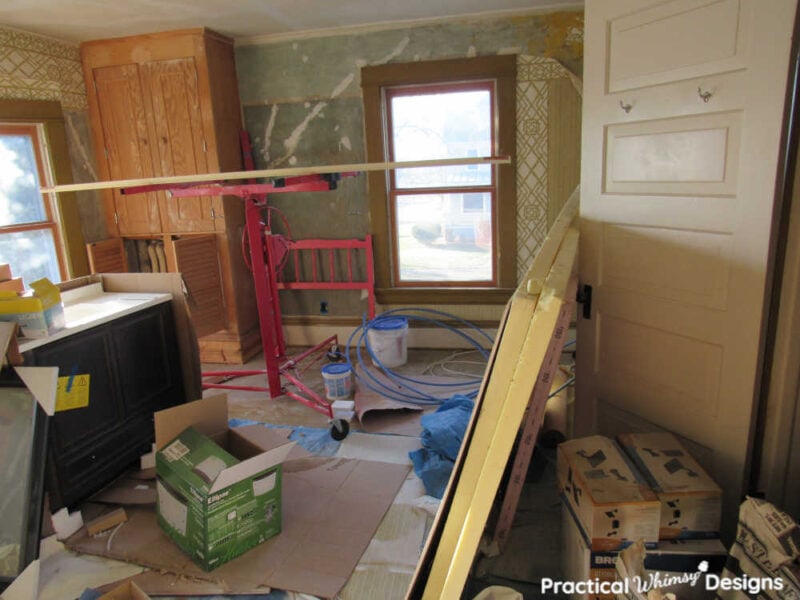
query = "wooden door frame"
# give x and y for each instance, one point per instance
(777, 428)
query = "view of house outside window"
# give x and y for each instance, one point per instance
(28, 230)
(442, 216)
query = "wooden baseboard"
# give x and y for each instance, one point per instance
(225, 347)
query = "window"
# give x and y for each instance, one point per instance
(40, 235)
(441, 232)
(436, 241)
(29, 236)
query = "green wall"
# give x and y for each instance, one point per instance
(302, 105)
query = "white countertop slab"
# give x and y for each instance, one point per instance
(89, 306)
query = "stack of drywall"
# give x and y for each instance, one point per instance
(613, 496)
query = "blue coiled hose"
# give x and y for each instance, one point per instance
(412, 395)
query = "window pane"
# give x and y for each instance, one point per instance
(442, 125)
(20, 199)
(444, 237)
(31, 254)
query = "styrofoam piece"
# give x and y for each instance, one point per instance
(148, 461)
(43, 383)
(66, 523)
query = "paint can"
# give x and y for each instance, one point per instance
(338, 381)
(387, 339)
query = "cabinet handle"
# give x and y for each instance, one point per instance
(213, 214)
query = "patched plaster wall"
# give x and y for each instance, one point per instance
(302, 106)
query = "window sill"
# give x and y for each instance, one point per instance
(410, 296)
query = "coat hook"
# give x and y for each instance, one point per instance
(704, 95)
(626, 107)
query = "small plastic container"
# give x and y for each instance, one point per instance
(388, 340)
(338, 381)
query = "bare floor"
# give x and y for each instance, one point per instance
(533, 550)
(386, 569)
(286, 411)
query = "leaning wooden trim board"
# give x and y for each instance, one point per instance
(518, 355)
(274, 173)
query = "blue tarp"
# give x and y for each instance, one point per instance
(442, 435)
(316, 440)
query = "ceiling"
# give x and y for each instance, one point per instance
(81, 20)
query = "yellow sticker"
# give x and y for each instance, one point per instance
(72, 392)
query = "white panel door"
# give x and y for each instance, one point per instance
(683, 107)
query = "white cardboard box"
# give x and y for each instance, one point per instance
(581, 563)
(607, 494)
(691, 501)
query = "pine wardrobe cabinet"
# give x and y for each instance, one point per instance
(168, 104)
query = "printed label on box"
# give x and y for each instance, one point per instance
(72, 392)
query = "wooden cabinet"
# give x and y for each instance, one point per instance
(168, 104)
(125, 145)
(131, 368)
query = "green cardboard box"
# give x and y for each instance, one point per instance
(219, 489)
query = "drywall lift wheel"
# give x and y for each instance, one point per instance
(335, 353)
(339, 429)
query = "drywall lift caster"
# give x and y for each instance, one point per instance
(335, 353)
(339, 429)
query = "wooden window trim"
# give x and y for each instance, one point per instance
(396, 192)
(50, 115)
(503, 70)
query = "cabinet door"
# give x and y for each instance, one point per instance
(85, 443)
(180, 139)
(127, 145)
(145, 349)
(107, 256)
(196, 257)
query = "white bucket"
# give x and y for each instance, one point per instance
(387, 339)
(338, 381)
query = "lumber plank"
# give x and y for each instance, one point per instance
(273, 173)
(448, 580)
(520, 351)
(106, 521)
(533, 423)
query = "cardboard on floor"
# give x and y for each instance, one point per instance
(332, 508)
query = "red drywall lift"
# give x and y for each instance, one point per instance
(263, 259)
(267, 254)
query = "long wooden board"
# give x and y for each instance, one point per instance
(533, 424)
(519, 353)
(276, 173)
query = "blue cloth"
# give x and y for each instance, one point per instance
(443, 430)
(442, 435)
(315, 440)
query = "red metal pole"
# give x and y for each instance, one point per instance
(266, 296)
